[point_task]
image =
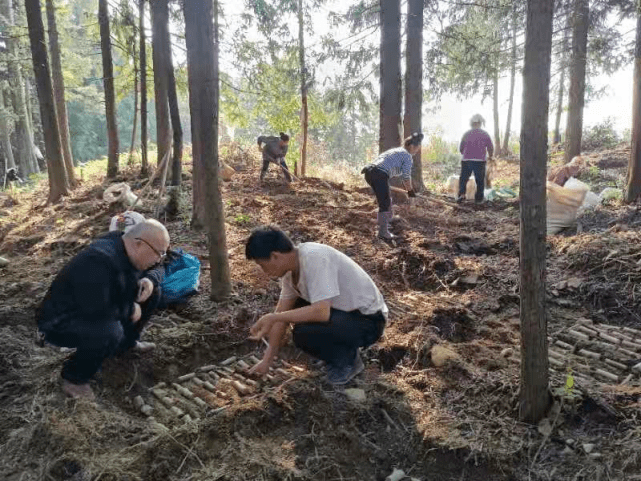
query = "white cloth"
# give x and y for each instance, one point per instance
(328, 274)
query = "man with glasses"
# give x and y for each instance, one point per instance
(94, 303)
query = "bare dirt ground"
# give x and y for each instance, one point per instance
(451, 282)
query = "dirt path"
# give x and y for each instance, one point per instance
(451, 280)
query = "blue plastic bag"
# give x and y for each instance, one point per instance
(182, 278)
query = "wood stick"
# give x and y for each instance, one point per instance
(590, 354)
(616, 364)
(240, 387)
(564, 345)
(228, 361)
(608, 375)
(186, 377)
(556, 362)
(578, 335)
(586, 330)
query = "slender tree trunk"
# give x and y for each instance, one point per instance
(561, 92)
(202, 58)
(144, 170)
(5, 133)
(56, 166)
(574, 129)
(508, 126)
(133, 129)
(534, 396)
(160, 22)
(38, 163)
(633, 186)
(495, 108)
(390, 86)
(412, 120)
(108, 81)
(25, 157)
(303, 92)
(59, 93)
(176, 165)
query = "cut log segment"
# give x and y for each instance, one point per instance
(578, 335)
(228, 361)
(187, 377)
(242, 364)
(242, 389)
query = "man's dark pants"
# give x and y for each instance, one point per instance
(95, 341)
(337, 341)
(467, 167)
(282, 163)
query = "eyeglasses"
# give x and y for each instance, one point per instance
(162, 255)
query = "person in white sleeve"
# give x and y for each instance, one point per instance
(333, 304)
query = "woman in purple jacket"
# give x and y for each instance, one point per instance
(474, 145)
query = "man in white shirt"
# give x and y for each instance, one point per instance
(342, 309)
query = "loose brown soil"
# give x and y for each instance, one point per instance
(451, 278)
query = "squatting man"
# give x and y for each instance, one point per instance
(99, 302)
(333, 304)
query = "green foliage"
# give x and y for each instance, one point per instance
(600, 136)
(439, 151)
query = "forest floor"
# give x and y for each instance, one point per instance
(451, 282)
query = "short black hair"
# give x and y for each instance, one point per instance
(284, 137)
(265, 240)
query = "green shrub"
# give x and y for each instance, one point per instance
(600, 136)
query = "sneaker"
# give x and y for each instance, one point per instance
(78, 391)
(460, 199)
(342, 375)
(143, 347)
(479, 202)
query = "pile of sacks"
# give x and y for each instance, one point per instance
(565, 203)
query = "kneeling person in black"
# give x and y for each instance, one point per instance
(94, 303)
(346, 310)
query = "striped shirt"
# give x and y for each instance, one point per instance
(395, 162)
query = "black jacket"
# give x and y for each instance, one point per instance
(98, 285)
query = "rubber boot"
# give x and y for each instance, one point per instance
(383, 220)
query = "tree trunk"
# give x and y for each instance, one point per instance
(144, 170)
(574, 128)
(133, 129)
(25, 157)
(202, 58)
(5, 132)
(633, 185)
(55, 162)
(59, 93)
(559, 100)
(534, 396)
(495, 111)
(508, 126)
(303, 92)
(390, 86)
(176, 163)
(38, 163)
(412, 120)
(160, 22)
(108, 81)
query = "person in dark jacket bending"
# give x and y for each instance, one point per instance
(94, 303)
(396, 162)
(274, 150)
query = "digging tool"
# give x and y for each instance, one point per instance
(285, 171)
(428, 199)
